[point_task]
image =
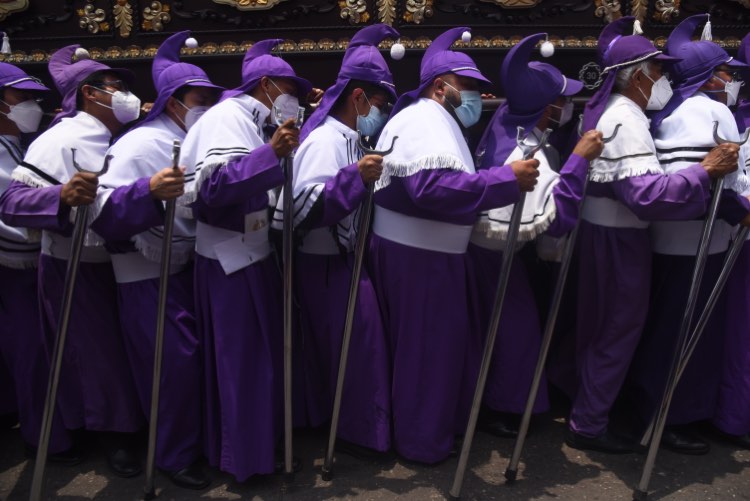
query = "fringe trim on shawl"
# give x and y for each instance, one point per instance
(206, 170)
(526, 232)
(153, 252)
(29, 179)
(92, 238)
(432, 162)
(620, 174)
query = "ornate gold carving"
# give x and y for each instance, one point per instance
(249, 4)
(515, 4)
(639, 9)
(123, 17)
(387, 11)
(9, 7)
(354, 10)
(666, 10)
(608, 9)
(155, 16)
(417, 10)
(92, 19)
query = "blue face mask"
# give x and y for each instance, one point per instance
(471, 106)
(371, 124)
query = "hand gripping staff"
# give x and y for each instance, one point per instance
(166, 256)
(287, 165)
(549, 328)
(79, 231)
(359, 253)
(685, 342)
(528, 150)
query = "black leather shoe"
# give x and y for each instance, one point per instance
(682, 442)
(123, 463)
(606, 442)
(70, 457)
(192, 477)
(500, 428)
(278, 466)
(361, 452)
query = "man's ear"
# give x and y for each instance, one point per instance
(87, 92)
(439, 86)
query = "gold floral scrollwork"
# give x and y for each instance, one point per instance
(386, 11)
(155, 16)
(515, 4)
(666, 10)
(638, 9)
(249, 4)
(354, 10)
(123, 17)
(8, 7)
(608, 9)
(92, 19)
(417, 10)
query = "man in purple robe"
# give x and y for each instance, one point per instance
(538, 97)
(627, 188)
(130, 218)
(427, 201)
(683, 133)
(732, 415)
(330, 183)
(96, 389)
(231, 166)
(22, 345)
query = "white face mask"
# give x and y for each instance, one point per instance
(192, 114)
(284, 107)
(731, 88)
(26, 114)
(566, 114)
(125, 105)
(661, 93)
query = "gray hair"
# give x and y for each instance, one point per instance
(622, 79)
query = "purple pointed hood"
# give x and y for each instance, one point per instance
(618, 52)
(742, 115)
(68, 74)
(362, 61)
(699, 59)
(15, 77)
(529, 88)
(259, 63)
(169, 74)
(439, 59)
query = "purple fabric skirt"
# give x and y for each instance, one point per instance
(322, 285)
(423, 296)
(519, 335)
(240, 320)
(178, 443)
(96, 391)
(733, 410)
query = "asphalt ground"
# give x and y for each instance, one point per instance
(549, 470)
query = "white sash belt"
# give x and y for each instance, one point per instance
(56, 245)
(607, 212)
(680, 238)
(134, 267)
(421, 233)
(319, 241)
(235, 250)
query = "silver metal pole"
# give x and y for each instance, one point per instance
(515, 223)
(71, 274)
(359, 253)
(166, 257)
(287, 256)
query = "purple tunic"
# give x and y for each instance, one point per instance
(128, 211)
(519, 334)
(613, 282)
(322, 285)
(423, 296)
(96, 386)
(240, 321)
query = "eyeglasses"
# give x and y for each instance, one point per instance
(118, 85)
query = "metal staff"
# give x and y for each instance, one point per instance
(166, 257)
(287, 164)
(359, 253)
(528, 150)
(512, 470)
(79, 231)
(657, 429)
